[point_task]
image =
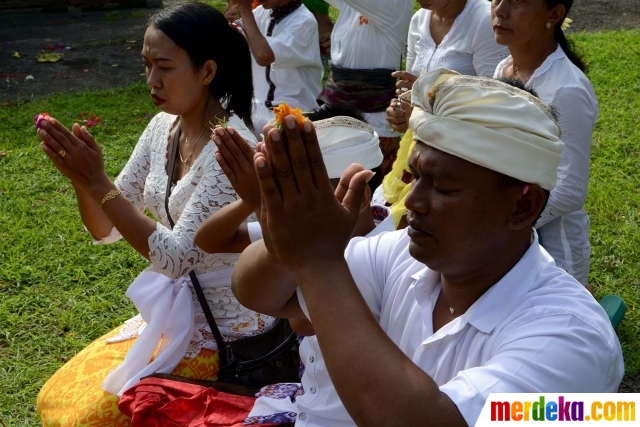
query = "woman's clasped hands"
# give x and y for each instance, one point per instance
(235, 157)
(74, 153)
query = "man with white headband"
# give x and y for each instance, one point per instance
(417, 327)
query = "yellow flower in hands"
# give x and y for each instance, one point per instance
(283, 110)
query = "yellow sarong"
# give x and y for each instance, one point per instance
(73, 396)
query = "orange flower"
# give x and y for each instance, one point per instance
(283, 110)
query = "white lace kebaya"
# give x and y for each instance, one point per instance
(195, 197)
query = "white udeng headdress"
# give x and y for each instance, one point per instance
(344, 140)
(489, 123)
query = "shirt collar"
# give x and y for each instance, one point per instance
(506, 295)
(278, 14)
(501, 299)
(557, 55)
(383, 220)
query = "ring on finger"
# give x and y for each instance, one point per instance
(62, 153)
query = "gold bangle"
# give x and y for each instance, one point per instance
(110, 196)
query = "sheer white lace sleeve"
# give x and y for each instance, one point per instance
(131, 179)
(173, 252)
(200, 193)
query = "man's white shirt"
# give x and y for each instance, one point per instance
(536, 330)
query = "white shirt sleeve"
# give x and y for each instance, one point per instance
(518, 366)
(412, 39)
(255, 231)
(486, 52)
(338, 4)
(132, 177)
(295, 43)
(577, 118)
(385, 14)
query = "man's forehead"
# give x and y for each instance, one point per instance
(446, 165)
(433, 156)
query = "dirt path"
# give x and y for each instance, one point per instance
(102, 49)
(596, 15)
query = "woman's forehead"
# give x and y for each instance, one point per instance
(156, 44)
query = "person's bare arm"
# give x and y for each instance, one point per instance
(96, 221)
(302, 327)
(260, 280)
(262, 283)
(258, 44)
(82, 163)
(298, 199)
(224, 231)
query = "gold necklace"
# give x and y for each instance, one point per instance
(186, 141)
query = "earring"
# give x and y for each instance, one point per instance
(548, 25)
(205, 82)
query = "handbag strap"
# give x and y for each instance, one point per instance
(224, 351)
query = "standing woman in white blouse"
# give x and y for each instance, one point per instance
(543, 58)
(198, 69)
(452, 34)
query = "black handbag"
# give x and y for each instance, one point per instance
(269, 358)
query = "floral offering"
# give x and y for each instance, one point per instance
(39, 118)
(283, 110)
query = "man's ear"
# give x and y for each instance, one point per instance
(366, 200)
(529, 205)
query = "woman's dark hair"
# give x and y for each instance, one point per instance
(327, 111)
(206, 35)
(566, 45)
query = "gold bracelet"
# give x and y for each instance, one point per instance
(110, 196)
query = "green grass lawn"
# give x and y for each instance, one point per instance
(58, 292)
